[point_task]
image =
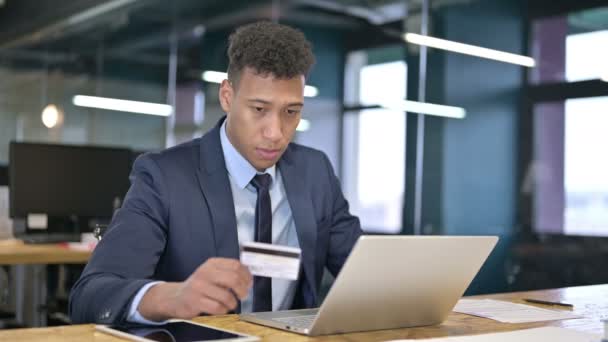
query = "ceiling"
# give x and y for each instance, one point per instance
(77, 34)
(71, 32)
(594, 19)
(38, 33)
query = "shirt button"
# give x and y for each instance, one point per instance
(105, 314)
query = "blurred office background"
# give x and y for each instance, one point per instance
(519, 153)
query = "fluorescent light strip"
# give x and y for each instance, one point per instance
(214, 76)
(303, 126)
(218, 77)
(426, 108)
(122, 105)
(471, 50)
(310, 91)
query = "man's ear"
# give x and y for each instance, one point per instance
(226, 95)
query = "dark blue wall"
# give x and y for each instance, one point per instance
(480, 173)
(470, 165)
(328, 72)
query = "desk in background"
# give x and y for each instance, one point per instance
(29, 275)
(589, 301)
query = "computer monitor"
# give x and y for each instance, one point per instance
(66, 180)
(3, 175)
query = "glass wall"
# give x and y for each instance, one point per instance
(569, 167)
(570, 48)
(374, 146)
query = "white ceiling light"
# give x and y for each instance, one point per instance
(605, 77)
(471, 50)
(310, 91)
(303, 126)
(198, 30)
(52, 116)
(123, 105)
(426, 108)
(214, 76)
(218, 76)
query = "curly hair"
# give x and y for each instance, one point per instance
(269, 48)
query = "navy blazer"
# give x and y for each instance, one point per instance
(179, 212)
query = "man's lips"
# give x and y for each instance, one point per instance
(267, 154)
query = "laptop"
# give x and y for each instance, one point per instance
(390, 282)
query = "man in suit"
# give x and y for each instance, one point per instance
(172, 250)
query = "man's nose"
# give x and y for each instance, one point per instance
(273, 128)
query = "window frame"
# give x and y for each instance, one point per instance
(534, 94)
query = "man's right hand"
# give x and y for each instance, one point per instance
(212, 289)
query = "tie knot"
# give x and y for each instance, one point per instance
(261, 182)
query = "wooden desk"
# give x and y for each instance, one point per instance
(589, 301)
(29, 275)
(15, 252)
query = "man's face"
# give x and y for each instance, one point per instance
(263, 113)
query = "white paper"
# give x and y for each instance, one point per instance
(508, 312)
(552, 334)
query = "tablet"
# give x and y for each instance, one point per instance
(175, 331)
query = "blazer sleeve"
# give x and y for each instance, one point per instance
(125, 259)
(345, 228)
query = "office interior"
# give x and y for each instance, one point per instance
(517, 150)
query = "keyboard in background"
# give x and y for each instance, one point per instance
(49, 238)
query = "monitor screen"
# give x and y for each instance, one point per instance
(3, 175)
(66, 180)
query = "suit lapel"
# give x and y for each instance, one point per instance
(298, 196)
(214, 182)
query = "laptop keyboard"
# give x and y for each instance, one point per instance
(298, 321)
(49, 238)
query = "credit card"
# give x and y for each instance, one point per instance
(273, 261)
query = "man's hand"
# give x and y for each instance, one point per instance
(212, 289)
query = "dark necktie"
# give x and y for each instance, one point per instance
(262, 286)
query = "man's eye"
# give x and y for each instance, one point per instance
(292, 112)
(259, 109)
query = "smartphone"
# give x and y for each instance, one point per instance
(175, 331)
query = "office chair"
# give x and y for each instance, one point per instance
(99, 230)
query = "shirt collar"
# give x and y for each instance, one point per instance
(238, 167)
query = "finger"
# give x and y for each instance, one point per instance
(244, 272)
(217, 263)
(210, 306)
(244, 275)
(212, 269)
(226, 264)
(231, 280)
(222, 295)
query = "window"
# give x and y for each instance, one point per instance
(586, 167)
(586, 56)
(570, 48)
(569, 170)
(374, 149)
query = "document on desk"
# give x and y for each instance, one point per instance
(553, 334)
(508, 312)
